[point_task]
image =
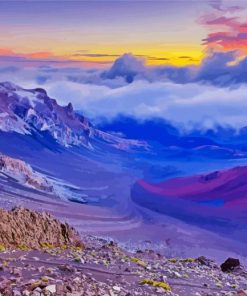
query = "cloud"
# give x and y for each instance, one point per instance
(158, 59)
(8, 55)
(220, 69)
(126, 66)
(95, 55)
(9, 69)
(129, 68)
(37, 59)
(219, 6)
(208, 95)
(185, 57)
(216, 4)
(186, 106)
(229, 33)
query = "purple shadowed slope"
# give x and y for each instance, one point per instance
(216, 201)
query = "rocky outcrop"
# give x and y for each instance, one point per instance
(23, 172)
(24, 229)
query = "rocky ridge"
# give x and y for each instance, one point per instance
(32, 111)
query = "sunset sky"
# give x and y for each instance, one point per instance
(185, 61)
(97, 32)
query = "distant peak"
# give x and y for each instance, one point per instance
(70, 107)
(9, 85)
(41, 90)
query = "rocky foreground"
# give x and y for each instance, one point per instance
(41, 256)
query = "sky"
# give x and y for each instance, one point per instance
(184, 61)
(94, 33)
(99, 31)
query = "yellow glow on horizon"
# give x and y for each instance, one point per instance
(172, 55)
(103, 56)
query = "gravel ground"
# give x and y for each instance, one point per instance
(102, 268)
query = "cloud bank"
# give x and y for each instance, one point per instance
(219, 68)
(211, 94)
(186, 106)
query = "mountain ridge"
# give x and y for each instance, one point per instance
(28, 111)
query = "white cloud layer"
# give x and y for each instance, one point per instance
(211, 94)
(186, 105)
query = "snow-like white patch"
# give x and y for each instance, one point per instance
(12, 124)
(29, 96)
(23, 173)
(4, 115)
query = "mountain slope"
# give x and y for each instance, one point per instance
(217, 199)
(165, 138)
(92, 177)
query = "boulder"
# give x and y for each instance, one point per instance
(230, 264)
(205, 261)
